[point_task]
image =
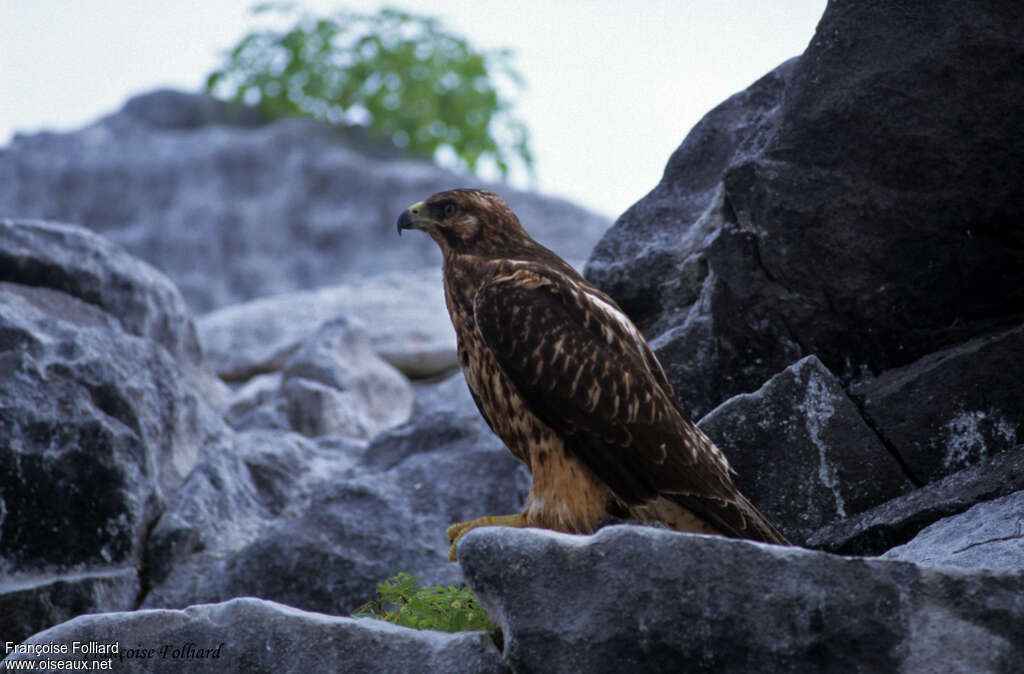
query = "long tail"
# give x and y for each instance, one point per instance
(760, 529)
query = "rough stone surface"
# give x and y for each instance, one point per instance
(988, 536)
(802, 452)
(953, 408)
(710, 604)
(29, 605)
(250, 635)
(335, 384)
(263, 517)
(404, 313)
(78, 263)
(849, 204)
(897, 521)
(213, 206)
(102, 414)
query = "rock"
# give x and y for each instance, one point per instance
(335, 384)
(30, 605)
(662, 601)
(102, 418)
(234, 212)
(171, 109)
(253, 394)
(802, 452)
(346, 517)
(988, 536)
(952, 408)
(847, 205)
(88, 267)
(241, 488)
(332, 384)
(259, 636)
(404, 313)
(897, 521)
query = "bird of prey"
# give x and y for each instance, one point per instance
(571, 387)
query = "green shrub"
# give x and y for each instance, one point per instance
(450, 609)
(404, 77)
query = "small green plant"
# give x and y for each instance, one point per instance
(450, 609)
(403, 77)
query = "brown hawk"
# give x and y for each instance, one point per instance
(569, 384)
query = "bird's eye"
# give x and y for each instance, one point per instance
(449, 209)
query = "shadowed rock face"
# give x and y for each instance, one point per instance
(860, 203)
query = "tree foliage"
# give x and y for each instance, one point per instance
(450, 609)
(404, 77)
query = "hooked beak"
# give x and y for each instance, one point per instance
(412, 218)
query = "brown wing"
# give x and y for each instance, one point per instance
(585, 371)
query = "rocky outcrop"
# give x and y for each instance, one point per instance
(404, 313)
(271, 510)
(104, 413)
(250, 635)
(214, 205)
(802, 452)
(897, 521)
(681, 602)
(852, 204)
(953, 408)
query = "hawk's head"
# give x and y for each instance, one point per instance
(465, 221)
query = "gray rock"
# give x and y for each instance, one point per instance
(90, 268)
(802, 452)
(233, 212)
(952, 408)
(403, 311)
(346, 517)
(897, 521)
(250, 635)
(634, 597)
(988, 536)
(335, 384)
(260, 390)
(846, 205)
(103, 416)
(28, 605)
(241, 488)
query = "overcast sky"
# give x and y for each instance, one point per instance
(613, 87)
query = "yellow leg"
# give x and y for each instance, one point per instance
(456, 531)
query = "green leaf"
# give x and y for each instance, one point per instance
(406, 76)
(451, 609)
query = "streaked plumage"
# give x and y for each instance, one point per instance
(567, 381)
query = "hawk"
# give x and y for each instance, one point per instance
(569, 384)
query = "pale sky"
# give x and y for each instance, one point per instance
(613, 87)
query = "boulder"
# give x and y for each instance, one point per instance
(332, 384)
(801, 451)
(634, 597)
(404, 313)
(78, 263)
(897, 521)
(952, 408)
(103, 417)
(29, 605)
(344, 515)
(851, 205)
(988, 536)
(335, 384)
(231, 212)
(250, 635)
